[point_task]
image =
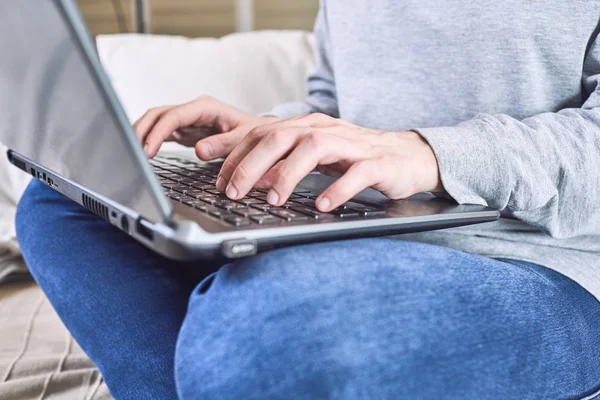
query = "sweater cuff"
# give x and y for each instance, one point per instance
(466, 155)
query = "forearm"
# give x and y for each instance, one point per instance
(544, 169)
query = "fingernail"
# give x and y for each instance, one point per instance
(324, 204)
(221, 184)
(272, 197)
(146, 148)
(206, 149)
(231, 192)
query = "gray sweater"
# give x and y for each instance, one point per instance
(506, 92)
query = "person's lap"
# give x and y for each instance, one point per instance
(372, 318)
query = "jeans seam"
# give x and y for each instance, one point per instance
(595, 394)
(526, 265)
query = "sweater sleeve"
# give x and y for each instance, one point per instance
(322, 96)
(545, 169)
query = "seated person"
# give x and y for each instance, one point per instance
(494, 103)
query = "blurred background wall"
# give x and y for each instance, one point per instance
(201, 18)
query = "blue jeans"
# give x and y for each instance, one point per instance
(371, 318)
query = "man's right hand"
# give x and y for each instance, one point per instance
(212, 127)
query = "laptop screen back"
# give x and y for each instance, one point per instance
(57, 108)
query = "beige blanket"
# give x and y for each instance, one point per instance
(38, 357)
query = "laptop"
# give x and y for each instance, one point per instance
(64, 125)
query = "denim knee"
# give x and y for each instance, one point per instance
(34, 211)
(45, 224)
(379, 318)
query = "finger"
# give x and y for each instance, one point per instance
(313, 150)
(182, 116)
(248, 142)
(220, 145)
(252, 138)
(361, 175)
(253, 159)
(145, 123)
(269, 178)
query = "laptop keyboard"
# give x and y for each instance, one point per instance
(194, 185)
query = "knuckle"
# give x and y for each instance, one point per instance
(172, 117)
(255, 134)
(204, 98)
(153, 111)
(318, 117)
(314, 140)
(276, 138)
(383, 158)
(364, 168)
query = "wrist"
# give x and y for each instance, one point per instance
(429, 179)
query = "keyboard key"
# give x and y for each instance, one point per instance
(290, 204)
(261, 196)
(373, 212)
(228, 204)
(170, 168)
(208, 199)
(256, 192)
(213, 191)
(262, 207)
(266, 220)
(181, 188)
(192, 202)
(250, 200)
(237, 221)
(248, 212)
(222, 213)
(169, 185)
(202, 186)
(342, 213)
(169, 175)
(306, 202)
(206, 208)
(313, 213)
(196, 192)
(352, 205)
(187, 181)
(184, 172)
(176, 196)
(288, 215)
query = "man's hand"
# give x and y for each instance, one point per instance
(280, 154)
(212, 127)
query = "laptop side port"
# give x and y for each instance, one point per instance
(144, 229)
(125, 223)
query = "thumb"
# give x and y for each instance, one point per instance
(220, 145)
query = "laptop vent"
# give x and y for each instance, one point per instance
(95, 206)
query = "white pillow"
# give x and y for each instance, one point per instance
(253, 71)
